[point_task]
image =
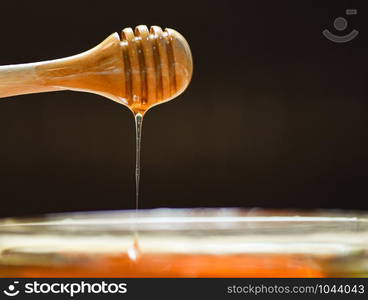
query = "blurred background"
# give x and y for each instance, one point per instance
(274, 116)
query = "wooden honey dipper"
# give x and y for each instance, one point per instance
(141, 69)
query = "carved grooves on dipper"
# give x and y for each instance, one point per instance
(154, 37)
(142, 70)
(172, 74)
(128, 74)
(161, 57)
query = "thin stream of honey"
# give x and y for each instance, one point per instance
(138, 138)
(133, 251)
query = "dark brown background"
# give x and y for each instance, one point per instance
(274, 117)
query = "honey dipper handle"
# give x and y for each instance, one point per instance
(21, 79)
(99, 70)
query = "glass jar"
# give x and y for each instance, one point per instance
(219, 242)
